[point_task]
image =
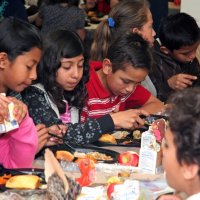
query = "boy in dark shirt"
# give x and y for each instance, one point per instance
(175, 65)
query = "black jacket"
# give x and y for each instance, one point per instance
(164, 67)
(80, 133)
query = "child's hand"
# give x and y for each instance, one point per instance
(4, 101)
(129, 119)
(20, 109)
(43, 136)
(181, 81)
(58, 129)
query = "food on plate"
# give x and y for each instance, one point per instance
(137, 134)
(120, 134)
(79, 155)
(23, 182)
(93, 155)
(124, 174)
(99, 156)
(108, 138)
(4, 178)
(64, 155)
(127, 142)
(129, 158)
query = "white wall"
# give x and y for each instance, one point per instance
(191, 7)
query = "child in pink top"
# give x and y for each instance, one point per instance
(18, 147)
(20, 52)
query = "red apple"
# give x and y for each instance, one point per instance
(129, 158)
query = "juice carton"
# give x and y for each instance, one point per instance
(151, 152)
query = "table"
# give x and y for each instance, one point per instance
(152, 186)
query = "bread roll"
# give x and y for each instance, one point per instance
(23, 182)
(108, 138)
(64, 155)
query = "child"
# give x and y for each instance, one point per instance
(125, 17)
(59, 92)
(116, 85)
(175, 65)
(181, 157)
(20, 51)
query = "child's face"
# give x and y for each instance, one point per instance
(174, 171)
(147, 31)
(90, 4)
(185, 54)
(70, 72)
(19, 74)
(123, 82)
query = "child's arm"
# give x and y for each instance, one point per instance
(153, 105)
(128, 119)
(18, 147)
(39, 108)
(141, 98)
(90, 130)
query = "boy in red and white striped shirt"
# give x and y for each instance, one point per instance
(114, 84)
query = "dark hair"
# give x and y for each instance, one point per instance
(130, 49)
(184, 122)
(69, 2)
(178, 30)
(127, 14)
(18, 37)
(57, 45)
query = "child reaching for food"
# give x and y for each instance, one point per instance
(60, 93)
(20, 51)
(114, 85)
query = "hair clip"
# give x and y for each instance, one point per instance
(111, 22)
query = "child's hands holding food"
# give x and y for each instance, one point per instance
(4, 101)
(20, 109)
(129, 119)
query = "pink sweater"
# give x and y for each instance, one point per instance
(18, 147)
